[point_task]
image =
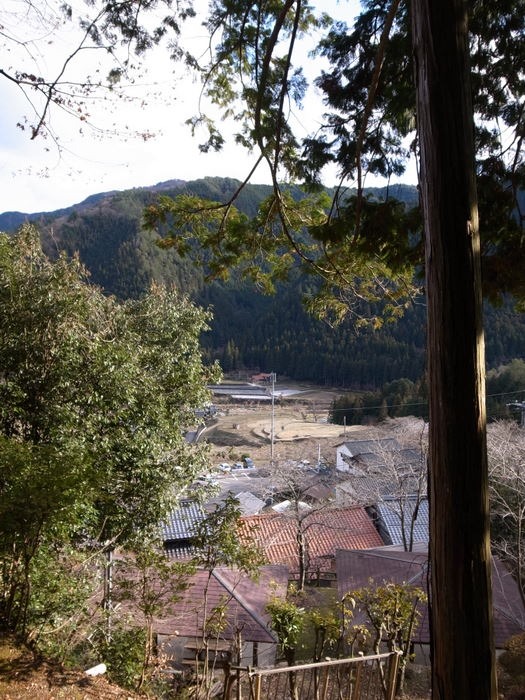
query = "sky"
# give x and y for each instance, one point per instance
(35, 176)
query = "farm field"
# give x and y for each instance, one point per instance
(300, 429)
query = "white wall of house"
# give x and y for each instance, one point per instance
(342, 452)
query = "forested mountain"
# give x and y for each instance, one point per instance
(250, 330)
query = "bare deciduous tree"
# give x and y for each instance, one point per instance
(292, 482)
(506, 451)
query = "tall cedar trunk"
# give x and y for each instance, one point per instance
(461, 610)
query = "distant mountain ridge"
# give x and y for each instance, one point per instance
(13, 219)
(249, 329)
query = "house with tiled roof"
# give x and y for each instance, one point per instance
(390, 481)
(401, 521)
(325, 530)
(180, 527)
(243, 636)
(352, 455)
(367, 457)
(356, 569)
(364, 489)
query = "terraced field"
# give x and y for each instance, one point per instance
(300, 429)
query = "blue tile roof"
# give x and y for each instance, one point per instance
(182, 521)
(389, 512)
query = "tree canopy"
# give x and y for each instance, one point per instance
(94, 53)
(360, 247)
(95, 398)
(255, 77)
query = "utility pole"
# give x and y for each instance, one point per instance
(108, 589)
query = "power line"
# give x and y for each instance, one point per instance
(420, 403)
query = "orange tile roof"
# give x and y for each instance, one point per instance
(325, 531)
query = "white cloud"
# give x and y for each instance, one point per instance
(34, 176)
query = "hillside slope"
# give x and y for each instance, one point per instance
(249, 330)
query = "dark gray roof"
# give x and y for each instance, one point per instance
(178, 551)
(398, 457)
(411, 455)
(362, 447)
(368, 460)
(365, 490)
(181, 522)
(389, 512)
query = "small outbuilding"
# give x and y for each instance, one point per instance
(222, 615)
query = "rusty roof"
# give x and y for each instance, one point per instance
(243, 599)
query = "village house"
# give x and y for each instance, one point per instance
(222, 614)
(401, 521)
(378, 566)
(325, 530)
(180, 527)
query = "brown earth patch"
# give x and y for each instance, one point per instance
(301, 430)
(25, 677)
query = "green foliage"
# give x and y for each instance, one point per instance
(250, 329)
(217, 541)
(95, 396)
(252, 70)
(401, 397)
(150, 581)
(58, 615)
(373, 111)
(286, 234)
(123, 654)
(335, 633)
(287, 621)
(326, 632)
(151, 585)
(360, 248)
(392, 611)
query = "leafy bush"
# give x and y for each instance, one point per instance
(123, 655)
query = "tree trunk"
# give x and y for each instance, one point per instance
(461, 601)
(302, 555)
